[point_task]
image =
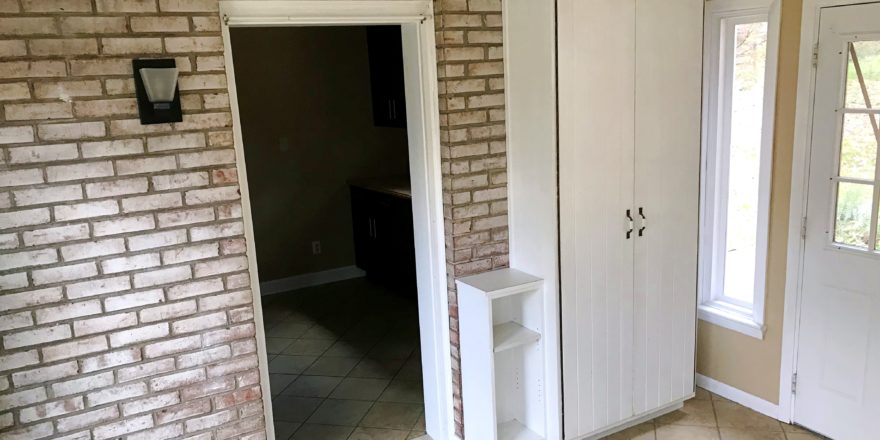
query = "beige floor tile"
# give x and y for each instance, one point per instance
(732, 415)
(332, 366)
(392, 415)
(680, 432)
(340, 412)
(420, 424)
(744, 434)
(311, 347)
(378, 434)
(694, 413)
(356, 388)
(283, 430)
(378, 369)
(403, 391)
(322, 432)
(312, 386)
(278, 382)
(702, 394)
(293, 409)
(794, 428)
(277, 345)
(645, 431)
(285, 364)
(418, 435)
(803, 436)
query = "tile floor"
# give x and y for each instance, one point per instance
(710, 417)
(344, 363)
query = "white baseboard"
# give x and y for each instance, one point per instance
(741, 397)
(310, 279)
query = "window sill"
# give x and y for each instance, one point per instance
(730, 319)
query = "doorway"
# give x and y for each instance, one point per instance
(837, 384)
(427, 310)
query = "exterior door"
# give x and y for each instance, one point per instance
(838, 365)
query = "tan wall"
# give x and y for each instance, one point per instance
(735, 359)
(307, 125)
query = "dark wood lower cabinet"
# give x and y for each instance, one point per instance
(383, 237)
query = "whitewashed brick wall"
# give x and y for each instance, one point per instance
(125, 310)
(474, 152)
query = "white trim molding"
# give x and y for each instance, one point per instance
(741, 397)
(715, 307)
(800, 174)
(423, 120)
(311, 279)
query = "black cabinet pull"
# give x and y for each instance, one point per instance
(629, 221)
(644, 221)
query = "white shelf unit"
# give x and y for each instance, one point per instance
(501, 321)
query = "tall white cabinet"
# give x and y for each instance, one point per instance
(629, 88)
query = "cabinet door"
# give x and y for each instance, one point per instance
(596, 43)
(385, 49)
(362, 220)
(667, 163)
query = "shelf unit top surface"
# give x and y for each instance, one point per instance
(502, 282)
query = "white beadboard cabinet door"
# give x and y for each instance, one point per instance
(596, 42)
(629, 88)
(667, 177)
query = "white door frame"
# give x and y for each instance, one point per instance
(422, 97)
(800, 175)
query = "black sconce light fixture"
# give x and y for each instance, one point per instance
(158, 97)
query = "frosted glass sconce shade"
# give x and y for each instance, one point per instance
(155, 84)
(160, 84)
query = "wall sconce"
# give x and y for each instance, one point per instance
(158, 97)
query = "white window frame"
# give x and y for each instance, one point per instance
(721, 17)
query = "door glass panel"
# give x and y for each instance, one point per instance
(858, 149)
(853, 217)
(864, 56)
(747, 102)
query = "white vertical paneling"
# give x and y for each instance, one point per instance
(596, 42)
(667, 162)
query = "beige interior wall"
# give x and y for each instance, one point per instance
(307, 124)
(730, 357)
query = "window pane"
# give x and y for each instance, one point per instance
(858, 149)
(867, 53)
(853, 219)
(747, 107)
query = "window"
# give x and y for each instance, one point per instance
(856, 204)
(739, 91)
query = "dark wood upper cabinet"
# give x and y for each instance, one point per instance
(386, 76)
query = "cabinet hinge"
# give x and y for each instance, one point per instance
(794, 383)
(804, 228)
(816, 55)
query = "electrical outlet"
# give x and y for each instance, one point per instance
(316, 248)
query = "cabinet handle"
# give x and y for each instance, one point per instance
(629, 223)
(644, 221)
(394, 109)
(375, 229)
(370, 227)
(390, 111)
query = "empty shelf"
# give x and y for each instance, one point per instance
(514, 430)
(511, 335)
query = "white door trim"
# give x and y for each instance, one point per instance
(799, 191)
(424, 139)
